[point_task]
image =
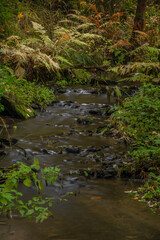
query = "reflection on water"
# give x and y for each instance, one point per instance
(99, 209)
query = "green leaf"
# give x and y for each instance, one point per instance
(27, 182)
(41, 185)
(36, 163)
(22, 212)
(3, 201)
(30, 212)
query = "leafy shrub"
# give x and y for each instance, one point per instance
(27, 92)
(140, 114)
(138, 121)
(150, 193)
(11, 199)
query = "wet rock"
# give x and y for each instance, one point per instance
(93, 149)
(63, 103)
(59, 153)
(83, 153)
(61, 90)
(110, 157)
(74, 179)
(96, 112)
(55, 102)
(2, 153)
(7, 142)
(95, 91)
(49, 152)
(97, 173)
(89, 132)
(75, 106)
(58, 90)
(73, 149)
(83, 121)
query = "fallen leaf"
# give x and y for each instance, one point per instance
(96, 198)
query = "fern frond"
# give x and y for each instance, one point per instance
(60, 30)
(68, 22)
(85, 26)
(47, 41)
(90, 36)
(63, 60)
(43, 60)
(139, 67)
(79, 18)
(141, 34)
(38, 28)
(13, 53)
(31, 41)
(152, 50)
(77, 42)
(26, 49)
(13, 38)
(122, 43)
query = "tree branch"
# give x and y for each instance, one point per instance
(81, 66)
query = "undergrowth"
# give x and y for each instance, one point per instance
(138, 122)
(24, 91)
(11, 200)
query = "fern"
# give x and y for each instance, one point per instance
(90, 36)
(77, 42)
(152, 50)
(38, 28)
(136, 67)
(68, 22)
(63, 60)
(43, 60)
(85, 27)
(58, 31)
(79, 18)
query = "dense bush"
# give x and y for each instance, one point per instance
(138, 121)
(26, 92)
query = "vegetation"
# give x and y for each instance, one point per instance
(23, 92)
(82, 42)
(138, 122)
(11, 199)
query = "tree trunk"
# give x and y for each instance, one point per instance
(139, 21)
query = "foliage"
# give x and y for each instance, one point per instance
(150, 193)
(25, 91)
(141, 113)
(138, 121)
(11, 198)
(53, 41)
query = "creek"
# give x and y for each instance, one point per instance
(65, 135)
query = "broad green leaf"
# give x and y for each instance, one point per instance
(36, 163)
(3, 201)
(30, 211)
(22, 212)
(27, 182)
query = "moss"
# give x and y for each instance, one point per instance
(17, 108)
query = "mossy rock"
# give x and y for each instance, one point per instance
(17, 108)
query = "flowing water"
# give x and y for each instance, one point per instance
(99, 209)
